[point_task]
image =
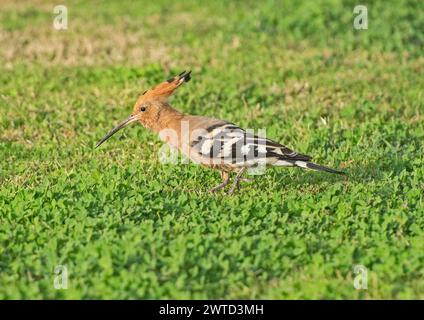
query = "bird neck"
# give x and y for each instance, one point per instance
(167, 118)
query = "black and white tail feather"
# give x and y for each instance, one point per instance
(311, 165)
(228, 144)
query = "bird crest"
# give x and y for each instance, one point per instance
(165, 89)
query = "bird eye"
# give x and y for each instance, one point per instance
(143, 108)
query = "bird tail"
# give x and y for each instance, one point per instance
(307, 165)
(314, 166)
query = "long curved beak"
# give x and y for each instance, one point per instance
(121, 125)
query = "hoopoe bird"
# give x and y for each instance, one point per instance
(213, 143)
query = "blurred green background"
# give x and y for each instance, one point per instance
(127, 226)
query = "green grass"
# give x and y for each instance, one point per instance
(127, 226)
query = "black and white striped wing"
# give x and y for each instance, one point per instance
(227, 144)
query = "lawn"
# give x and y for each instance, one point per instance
(124, 225)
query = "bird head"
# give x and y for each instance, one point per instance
(149, 105)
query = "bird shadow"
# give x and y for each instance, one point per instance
(295, 178)
(274, 179)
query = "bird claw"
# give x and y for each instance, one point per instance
(231, 191)
(218, 187)
(215, 189)
(236, 183)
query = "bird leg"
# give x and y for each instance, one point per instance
(225, 179)
(236, 180)
(243, 180)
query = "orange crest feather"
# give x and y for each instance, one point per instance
(167, 88)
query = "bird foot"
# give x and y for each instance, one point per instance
(231, 191)
(236, 183)
(219, 187)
